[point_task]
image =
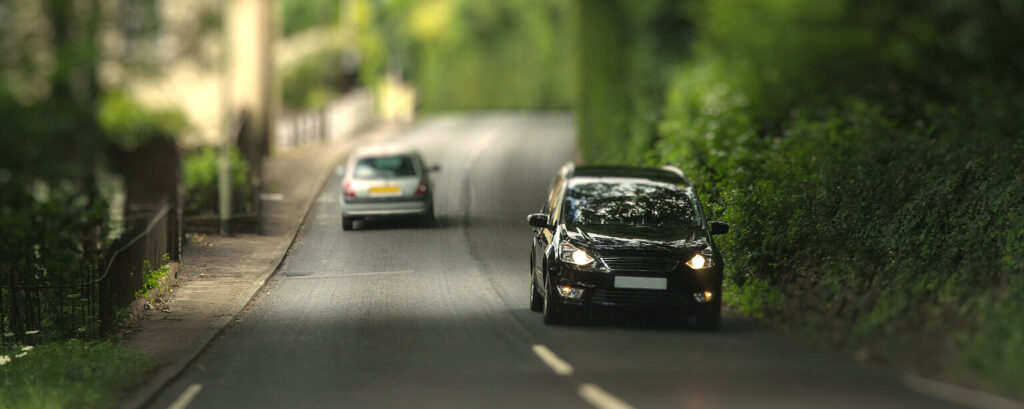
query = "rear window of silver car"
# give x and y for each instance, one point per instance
(384, 167)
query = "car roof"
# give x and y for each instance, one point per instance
(384, 150)
(652, 174)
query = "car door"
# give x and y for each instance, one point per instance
(542, 238)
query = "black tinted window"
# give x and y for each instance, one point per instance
(384, 167)
(629, 202)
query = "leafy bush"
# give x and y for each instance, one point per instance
(200, 177)
(154, 277)
(128, 124)
(313, 81)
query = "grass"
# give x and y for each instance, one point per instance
(69, 374)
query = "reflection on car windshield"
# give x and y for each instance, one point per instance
(384, 167)
(629, 202)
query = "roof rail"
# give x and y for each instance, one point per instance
(679, 172)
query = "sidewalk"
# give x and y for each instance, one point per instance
(220, 275)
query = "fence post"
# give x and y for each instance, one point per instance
(106, 301)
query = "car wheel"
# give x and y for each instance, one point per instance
(346, 223)
(551, 313)
(709, 316)
(536, 301)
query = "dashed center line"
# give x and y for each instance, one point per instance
(186, 397)
(600, 398)
(549, 358)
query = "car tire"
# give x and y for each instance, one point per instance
(536, 301)
(428, 219)
(551, 313)
(709, 316)
(346, 223)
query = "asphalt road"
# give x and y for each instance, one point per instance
(398, 315)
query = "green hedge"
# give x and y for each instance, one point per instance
(868, 156)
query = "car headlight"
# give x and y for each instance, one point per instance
(701, 260)
(570, 254)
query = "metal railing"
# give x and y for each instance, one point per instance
(340, 119)
(85, 304)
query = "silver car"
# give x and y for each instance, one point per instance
(384, 181)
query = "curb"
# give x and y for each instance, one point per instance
(145, 394)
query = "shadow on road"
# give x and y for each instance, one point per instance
(655, 321)
(398, 223)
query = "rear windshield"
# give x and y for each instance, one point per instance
(384, 167)
(630, 202)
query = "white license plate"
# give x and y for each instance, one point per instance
(647, 283)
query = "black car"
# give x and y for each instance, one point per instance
(626, 238)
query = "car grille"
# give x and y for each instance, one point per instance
(641, 264)
(638, 298)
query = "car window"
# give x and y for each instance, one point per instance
(630, 202)
(384, 167)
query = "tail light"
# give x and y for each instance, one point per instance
(422, 188)
(348, 190)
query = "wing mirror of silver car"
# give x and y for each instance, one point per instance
(538, 220)
(718, 227)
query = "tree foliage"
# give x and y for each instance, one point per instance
(461, 54)
(300, 15)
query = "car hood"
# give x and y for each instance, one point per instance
(637, 238)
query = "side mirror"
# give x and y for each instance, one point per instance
(538, 220)
(434, 168)
(718, 227)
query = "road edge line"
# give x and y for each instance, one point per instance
(958, 394)
(148, 391)
(186, 397)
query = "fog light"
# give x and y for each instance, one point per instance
(703, 297)
(570, 292)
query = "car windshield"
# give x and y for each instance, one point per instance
(629, 202)
(384, 167)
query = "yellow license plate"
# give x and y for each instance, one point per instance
(385, 190)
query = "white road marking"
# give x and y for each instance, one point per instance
(557, 364)
(959, 394)
(272, 197)
(601, 399)
(480, 148)
(186, 397)
(300, 276)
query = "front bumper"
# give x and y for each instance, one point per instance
(599, 290)
(401, 207)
